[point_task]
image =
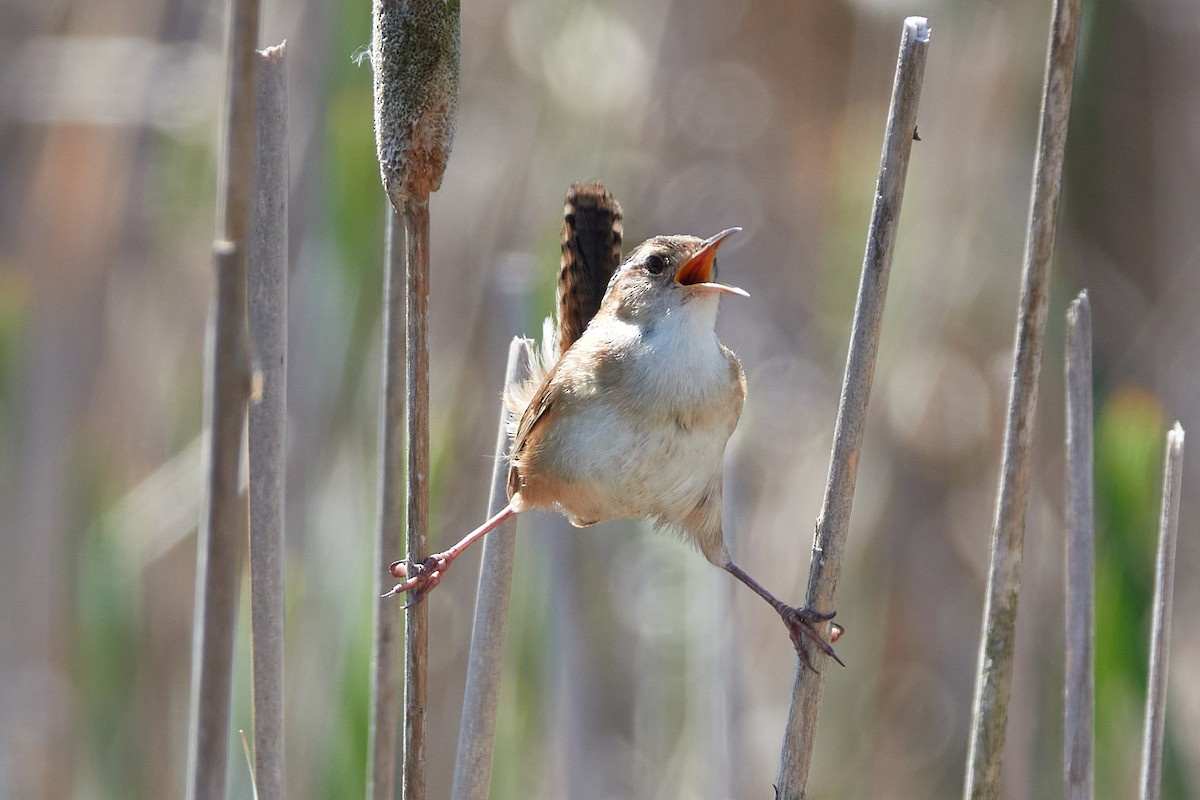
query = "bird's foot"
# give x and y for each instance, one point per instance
(801, 624)
(419, 577)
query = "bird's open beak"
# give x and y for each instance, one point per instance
(697, 271)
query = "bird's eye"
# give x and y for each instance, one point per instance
(655, 264)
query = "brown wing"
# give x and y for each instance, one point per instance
(538, 410)
(593, 230)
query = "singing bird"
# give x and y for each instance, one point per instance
(631, 421)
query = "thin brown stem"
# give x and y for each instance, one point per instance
(416, 407)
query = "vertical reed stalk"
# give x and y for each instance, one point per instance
(227, 389)
(416, 416)
(1160, 631)
(477, 731)
(385, 654)
(268, 420)
(994, 680)
(1079, 705)
(834, 521)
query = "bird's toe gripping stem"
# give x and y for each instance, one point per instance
(801, 624)
(422, 577)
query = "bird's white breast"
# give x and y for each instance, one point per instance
(647, 432)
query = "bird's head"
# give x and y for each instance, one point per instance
(666, 274)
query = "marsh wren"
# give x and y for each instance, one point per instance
(632, 419)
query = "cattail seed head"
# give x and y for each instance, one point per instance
(415, 53)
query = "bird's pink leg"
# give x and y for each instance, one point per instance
(428, 573)
(801, 622)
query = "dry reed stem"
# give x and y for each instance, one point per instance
(389, 537)
(227, 378)
(222, 526)
(994, 680)
(834, 521)
(476, 732)
(1150, 784)
(268, 418)
(1079, 706)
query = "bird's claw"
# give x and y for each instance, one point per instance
(801, 624)
(421, 577)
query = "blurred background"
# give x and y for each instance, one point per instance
(635, 669)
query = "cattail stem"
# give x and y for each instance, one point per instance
(416, 632)
(415, 59)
